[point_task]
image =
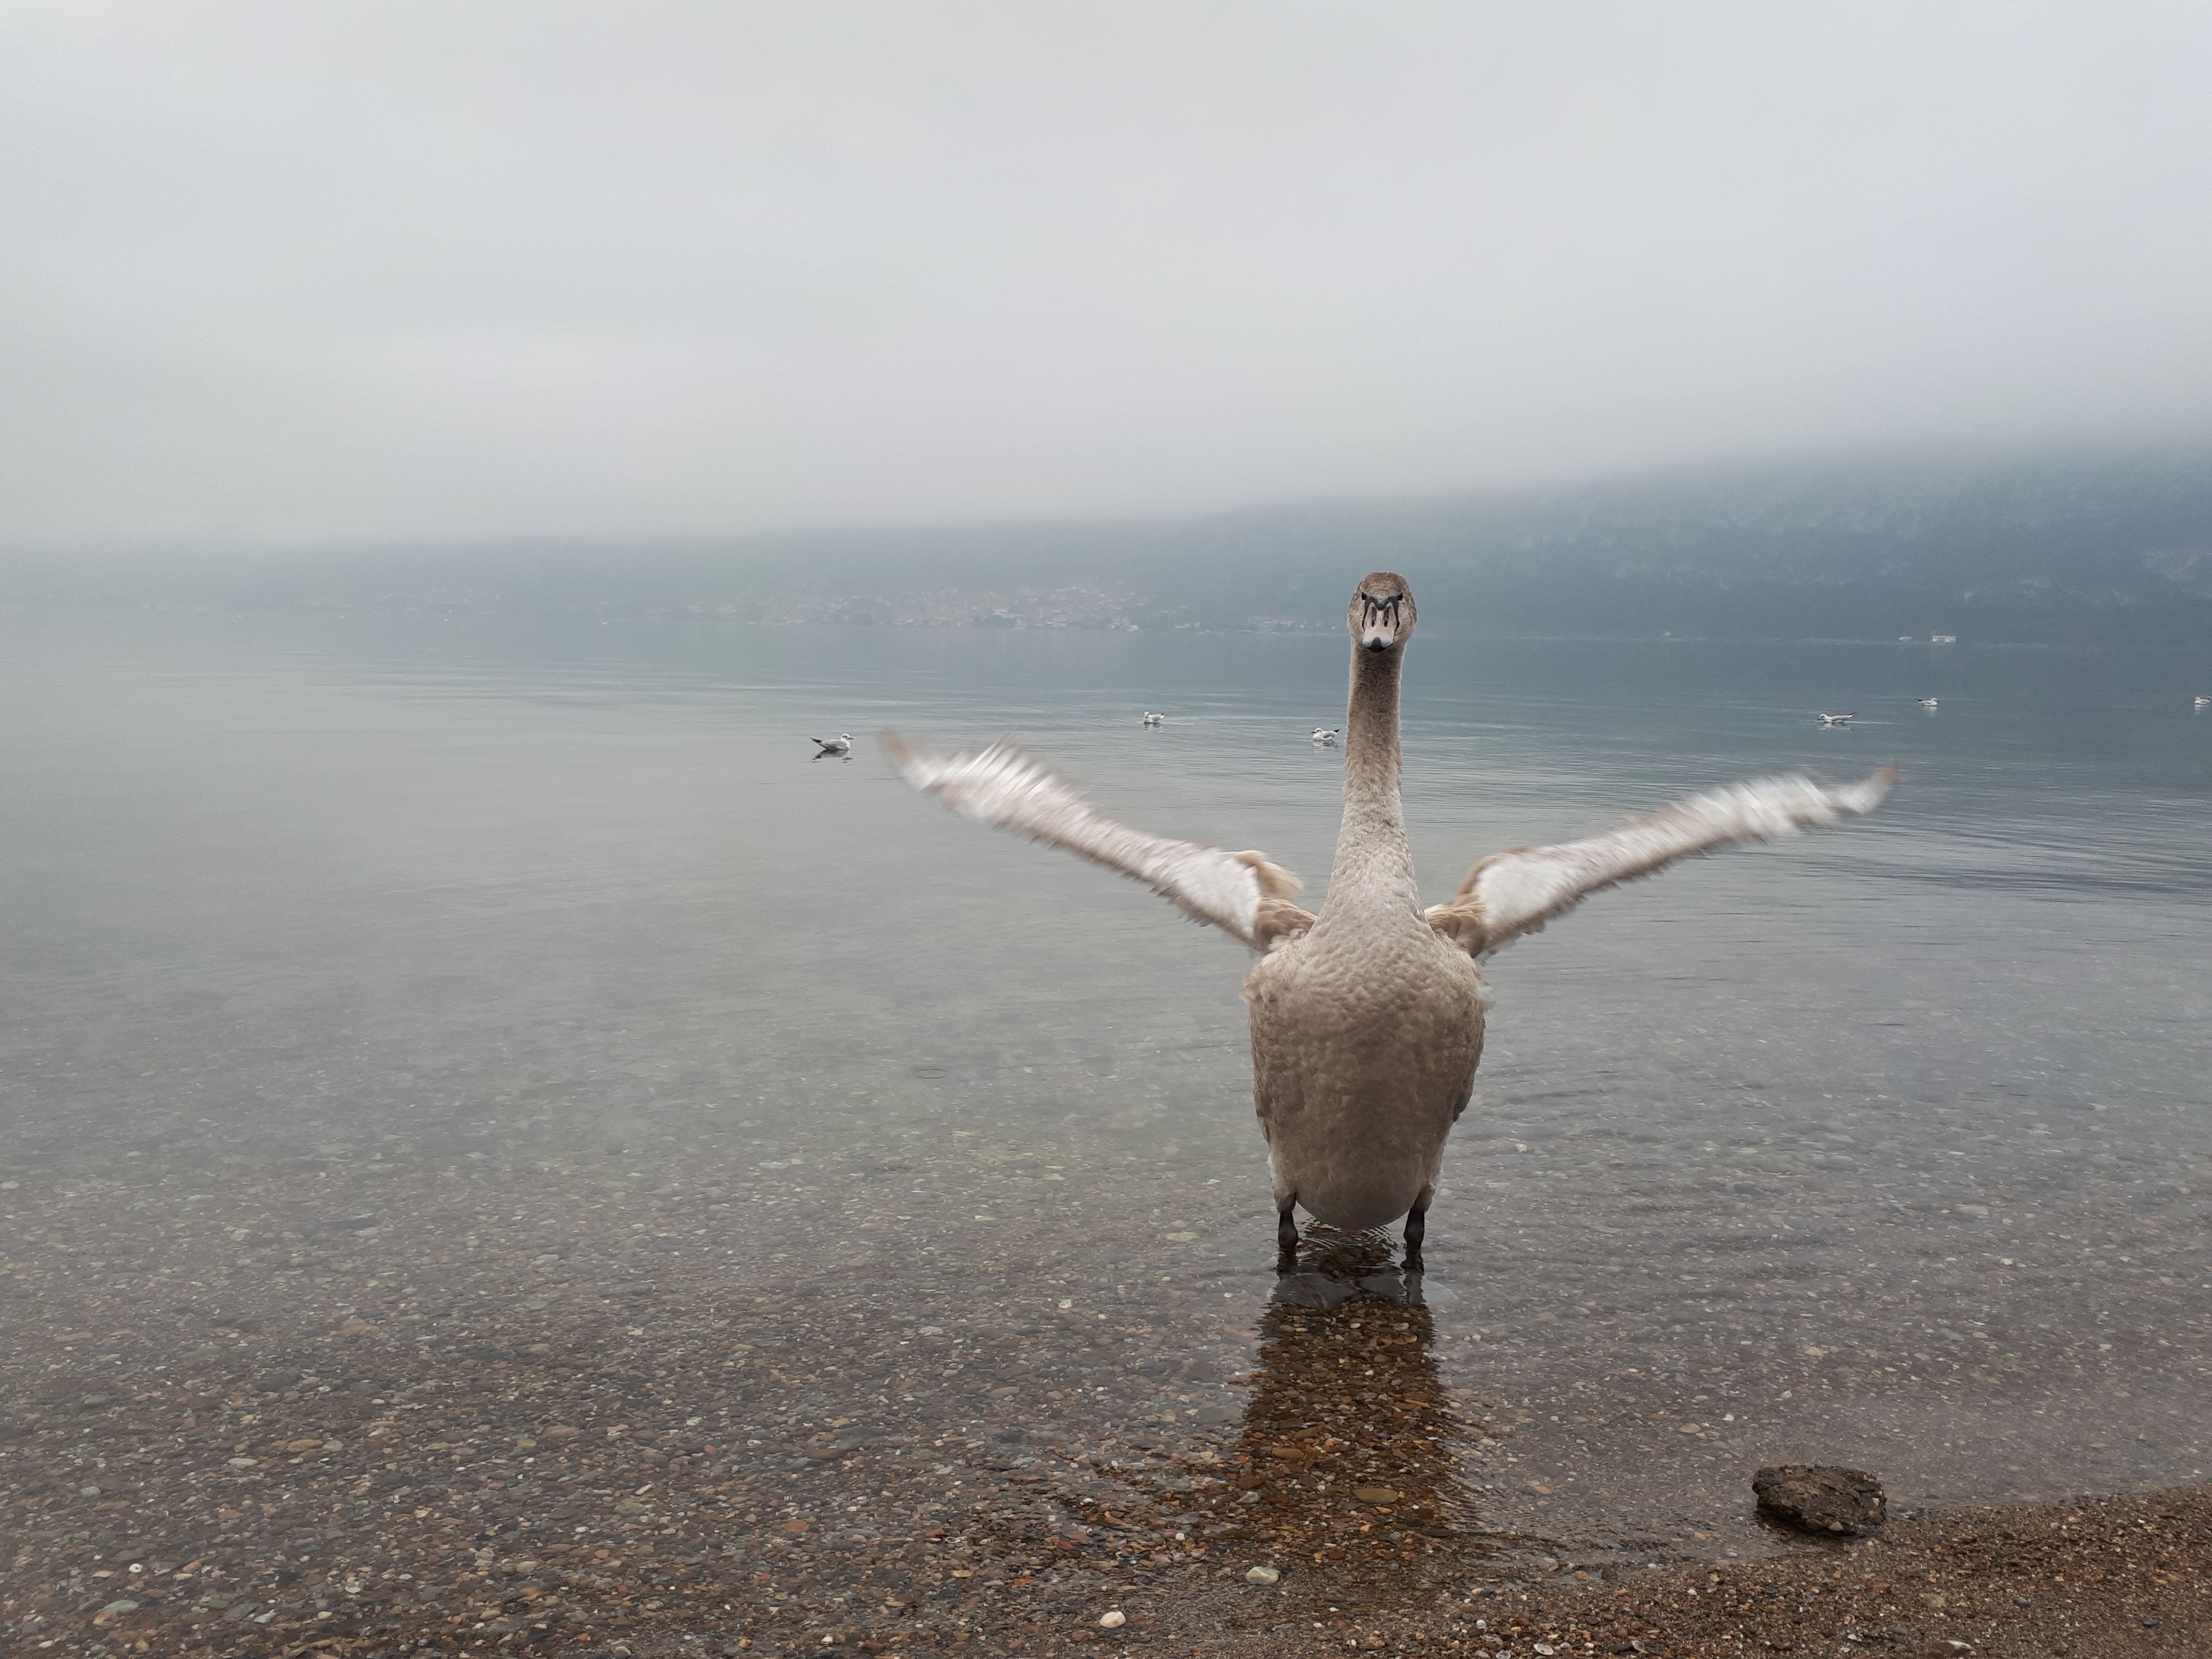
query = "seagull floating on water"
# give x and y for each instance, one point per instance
(1837, 720)
(1150, 719)
(1367, 1018)
(1326, 735)
(839, 744)
(1928, 702)
(2203, 703)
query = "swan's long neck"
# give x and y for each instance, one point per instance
(1374, 867)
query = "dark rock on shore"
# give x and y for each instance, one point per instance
(1820, 1497)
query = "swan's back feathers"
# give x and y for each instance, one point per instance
(1242, 893)
(1509, 894)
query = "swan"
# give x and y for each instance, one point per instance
(1837, 720)
(1326, 735)
(1367, 1018)
(1928, 702)
(1150, 719)
(2202, 702)
(839, 744)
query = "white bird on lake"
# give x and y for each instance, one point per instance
(1367, 1019)
(1837, 720)
(839, 744)
(1326, 735)
(1150, 719)
(1928, 702)
(2203, 703)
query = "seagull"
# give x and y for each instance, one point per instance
(1326, 735)
(1367, 1017)
(1928, 702)
(1837, 720)
(839, 744)
(2203, 703)
(1150, 719)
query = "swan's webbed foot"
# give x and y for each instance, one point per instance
(1286, 1239)
(1417, 1226)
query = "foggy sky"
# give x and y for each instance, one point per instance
(377, 268)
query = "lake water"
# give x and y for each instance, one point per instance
(523, 1000)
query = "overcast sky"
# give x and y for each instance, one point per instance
(298, 270)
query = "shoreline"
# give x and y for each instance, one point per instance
(500, 1406)
(2116, 1575)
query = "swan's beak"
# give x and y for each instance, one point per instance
(1377, 636)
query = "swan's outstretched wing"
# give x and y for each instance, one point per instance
(1241, 893)
(1509, 894)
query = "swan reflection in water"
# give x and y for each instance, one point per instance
(1348, 1467)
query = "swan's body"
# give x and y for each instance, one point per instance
(1327, 735)
(1367, 1022)
(2203, 703)
(1367, 1019)
(1928, 702)
(1150, 719)
(839, 744)
(1837, 720)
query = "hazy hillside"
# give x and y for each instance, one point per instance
(2100, 548)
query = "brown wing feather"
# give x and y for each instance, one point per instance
(1243, 894)
(1516, 892)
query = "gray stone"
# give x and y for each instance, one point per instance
(1821, 1497)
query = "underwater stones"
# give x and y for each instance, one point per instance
(1310, 1290)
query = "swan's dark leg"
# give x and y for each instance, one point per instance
(1417, 1226)
(1286, 1238)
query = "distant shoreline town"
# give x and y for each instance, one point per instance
(2102, 549)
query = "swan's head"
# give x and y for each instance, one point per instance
(1381, 614)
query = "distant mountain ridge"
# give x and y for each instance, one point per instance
(2108, 549)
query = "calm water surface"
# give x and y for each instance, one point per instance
(1889, 1145)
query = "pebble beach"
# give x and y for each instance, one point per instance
(475, 1401)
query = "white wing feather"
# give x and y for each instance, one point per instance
(1242, 893)
(1513, 893)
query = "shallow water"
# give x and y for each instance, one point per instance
(408, 972)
